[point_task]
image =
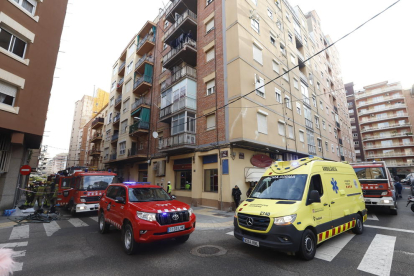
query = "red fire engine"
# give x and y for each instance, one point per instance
(81, 191)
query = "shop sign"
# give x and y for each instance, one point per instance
(261, 161)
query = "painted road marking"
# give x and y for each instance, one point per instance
(13, 244)
(378, 258)
(17, 267)
(329, 249)
(77, 222)
(51, 228)
(372, 217)
(19, 253)
(20, 232)
(94, 218)
(388, 228)
(230, 233)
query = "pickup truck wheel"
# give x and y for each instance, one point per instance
(128, 241)
(182, 239)
(103, 225)
(359, 226)
(307, 248)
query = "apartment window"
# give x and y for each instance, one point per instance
(283, 48)
(318, 85)
(277, 3)
(29, 5)
(330, 128)
(355, 135)
(291, 132)
(301, 136)
(287, 16)
(281, 127)
(296, 83)
(351, 111)
(279, 24)
(323, 124)
(257, 54)
(288, 103)
(130, 67)
(293, 59)
(211, 87)
(317, 121)
(211, 181)
(272, 40)
(269, 13)
(113, 85)
(211, 122)
(255, 25)
(128, 86)
(12, 43)
(321, 105)
(210, 54)
(124, 126)
(111, 102)
(333, 149)
(261, 123)
(285, 75)
(327, 146)
(327, 110)
(125, 106)
(314, 101)
(131, 50)
(122, 148)
(210, 26)
(298, 108)
(356, 143)
(336, 133)
(7, 93)
(305, 40)
(350, 104)
(260, 89)
(164, 46)
(166, 24)
(278, 95)
(115, 70)
(290, 37)
(310, 78)
(276, 66)
(254, 2)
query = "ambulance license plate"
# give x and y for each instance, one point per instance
(175, 228)
(251, 242)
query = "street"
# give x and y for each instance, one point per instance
(73, 246)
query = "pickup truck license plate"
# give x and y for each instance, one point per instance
(251, 242)
(176, 228)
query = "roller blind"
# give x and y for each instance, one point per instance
(8, 89)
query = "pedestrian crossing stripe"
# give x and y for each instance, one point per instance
(335, 231)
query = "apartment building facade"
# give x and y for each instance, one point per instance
(59, 162)
(386, 129)
(187, 97)
(26, 77)
(353, 117)
(85, 110)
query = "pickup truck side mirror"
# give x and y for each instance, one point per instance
(314, 197)
(119, 199)
(173, 197)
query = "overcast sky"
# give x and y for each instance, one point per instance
(96, 32)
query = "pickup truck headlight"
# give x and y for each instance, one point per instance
(285, 220)
(190, 211)
(146, 216)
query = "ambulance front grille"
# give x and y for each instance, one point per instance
(253, 222)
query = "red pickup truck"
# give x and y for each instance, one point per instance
(145, 213)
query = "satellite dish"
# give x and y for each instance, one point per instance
(155, 135)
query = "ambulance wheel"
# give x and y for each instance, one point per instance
(307, 248)
(128, 241)
(359, 226)
(182, 239)
(103, 225)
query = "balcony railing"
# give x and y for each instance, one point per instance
(171, 6)
(96, 136)
(118, 100)
(312, 149)
(300, 56)
(148, 37)
(115, 137)
(139, 102)
(305, 100)
(190, 42)
(181, 19)
(393, 135)
(135, 151)
(137, 126)
(382, 118)
(392, 145)
(399, 164)
(183, 139)
(186, 71)
(390, 154)
(369, 129)
(308, 123)
(142, 79)
(97, 121)
(120, 83)
(176, 106)
(390, 107)
(117, 118)
(143, 59)
(303, 77)
(378, 91)
(384, 99)
(121, 67)
(95, 151)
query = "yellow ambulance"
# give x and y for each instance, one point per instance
(298, 204)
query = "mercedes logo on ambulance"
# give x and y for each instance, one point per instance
(249, 221)
(175, 216)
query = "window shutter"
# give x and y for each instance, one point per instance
(210, 25)
(8, 89)
(257, 54)
(261, 123)
(211, 121)
(210, 54)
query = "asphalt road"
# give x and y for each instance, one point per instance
(76, 248)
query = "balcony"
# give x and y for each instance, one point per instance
(98, 123)
(142, 85)
(96, 138)
(140, 66)
(303, 77)
(390, 155)
(378, 91)
(370, 129)
(340, 141)
(114, 137)
(376, 110)
(141, 102)
(336, 109)
(118, 102)
(121, 69)
(135, 154)
(383, 118)
(139, 128)
(182, 104)
(399, 164)
(301, 58)
(298, 36)
(381, 137)
(95, 152)
(393, 145)
(112, 157)
(311, 149)
(338, 125)
(184, 52)
(185, 72)
(179, 6)
(119, 85)
(308, 123)
(186, 23)
(383, 100)
(146, 44)
(116, 119)
(177, 143)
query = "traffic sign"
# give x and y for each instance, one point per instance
(25, 170)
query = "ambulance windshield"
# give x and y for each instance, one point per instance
(280, 187)
(370, 173)
(95, 183)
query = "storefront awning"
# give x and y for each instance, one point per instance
(254, 174)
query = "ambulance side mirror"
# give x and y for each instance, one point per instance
(314, 197)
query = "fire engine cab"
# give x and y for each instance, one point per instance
(81, 190)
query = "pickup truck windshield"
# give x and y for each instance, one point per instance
(280, 187)
(370, 173)
(95, 183)
(147, 194)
